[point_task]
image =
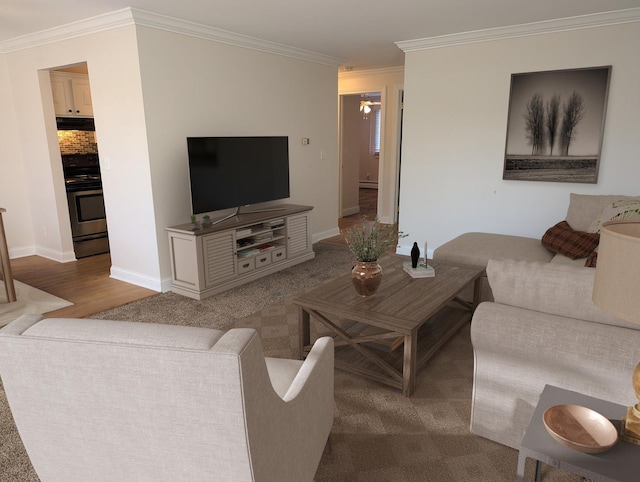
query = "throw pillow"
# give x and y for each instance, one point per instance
(572, 244)
(592, 259)
(621, 209)
(584, 209)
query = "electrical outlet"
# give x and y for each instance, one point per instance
(305, 141)
(44, 232)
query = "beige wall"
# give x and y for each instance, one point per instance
(194, 87)
(13, 193)
(151, 89)
(113, 71)
(455, 116)
(350, 154)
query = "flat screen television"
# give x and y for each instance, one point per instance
(231, 172)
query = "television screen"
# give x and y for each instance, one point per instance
(229, 172)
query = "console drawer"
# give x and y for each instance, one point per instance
(278, 254)
(246, 264)
(263, 260)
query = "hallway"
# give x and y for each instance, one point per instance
(368, 200)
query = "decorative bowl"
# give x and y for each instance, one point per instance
(580, 428)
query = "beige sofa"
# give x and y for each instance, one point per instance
(97, 400)
(538, 325)
(584, 214)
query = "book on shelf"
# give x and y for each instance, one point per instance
(241, 233)
(245, 253)
(266, 247)
(422, 271)
(274, 223)
(263, 236)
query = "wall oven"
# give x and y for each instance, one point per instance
(86, 204)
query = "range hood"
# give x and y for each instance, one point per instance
(75, 124)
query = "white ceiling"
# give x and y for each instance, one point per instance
(362, 32)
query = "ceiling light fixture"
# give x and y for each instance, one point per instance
(365, 106)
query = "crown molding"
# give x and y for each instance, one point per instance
(524, 30)
(131, 16)
(99, 23)
(152, 20)
(346, 74)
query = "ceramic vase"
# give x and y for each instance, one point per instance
(366, 277)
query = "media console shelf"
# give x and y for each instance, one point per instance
(238, 250)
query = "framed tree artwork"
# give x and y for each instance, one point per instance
(555, 125)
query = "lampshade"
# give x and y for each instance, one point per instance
(616, 287)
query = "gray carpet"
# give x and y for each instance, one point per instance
(222, 309)
(378, 435)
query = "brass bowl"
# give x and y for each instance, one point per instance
(580, 428)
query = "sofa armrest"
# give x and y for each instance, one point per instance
(300, 419)
(517, 351)
(316, 369)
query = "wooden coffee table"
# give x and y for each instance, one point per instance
(420, 314)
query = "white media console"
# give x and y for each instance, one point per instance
(246, 247)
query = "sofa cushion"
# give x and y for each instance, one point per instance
(476, 249)
(572, 244)
(584, 209)
(618, 210)
(560, 259)
(557, 289)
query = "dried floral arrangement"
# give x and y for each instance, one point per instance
(369, 240)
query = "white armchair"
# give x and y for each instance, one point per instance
(113, 401)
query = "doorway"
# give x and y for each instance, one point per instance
(360, 127)
(79, 152)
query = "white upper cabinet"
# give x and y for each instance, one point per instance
(71, 95)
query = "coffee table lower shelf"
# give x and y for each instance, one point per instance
(384, 362)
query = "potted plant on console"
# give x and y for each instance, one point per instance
(369, 240)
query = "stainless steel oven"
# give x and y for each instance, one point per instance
(86, 204)
(88, 222)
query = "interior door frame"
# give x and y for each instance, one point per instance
(381, 158)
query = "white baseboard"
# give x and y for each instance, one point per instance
(21, 252)
(324, 235)
(166, 284)
(55, 255)
(137, 279)
(350, 211)
(52, 254)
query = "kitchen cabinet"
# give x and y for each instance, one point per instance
(71, 95)
(207, 261)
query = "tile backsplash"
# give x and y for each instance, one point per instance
(77, 142)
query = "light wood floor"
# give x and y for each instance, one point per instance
(368, 207)
(86, 282)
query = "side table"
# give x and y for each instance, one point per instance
(620, 463)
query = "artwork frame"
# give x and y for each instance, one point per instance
(555, 125)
